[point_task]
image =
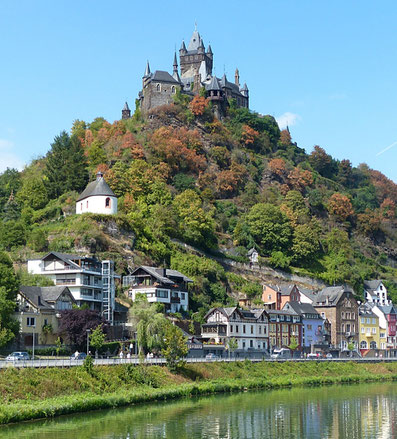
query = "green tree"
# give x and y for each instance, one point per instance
(66, 167)
(231, 345)
(175, 347)
(37, 240)
(97, 338)
(9, 327)
(306, 242)
(33, 192)
(269, 227)
(148, 323)
(195, 224)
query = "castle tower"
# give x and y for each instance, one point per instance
(126, 112)
(195, 59)
(175, 73)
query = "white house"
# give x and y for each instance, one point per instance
(161, 285)
(249, 328)
(376, 292)
(253, 256)
(90, 281)
(97, 197)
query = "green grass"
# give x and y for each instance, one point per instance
(43, 393)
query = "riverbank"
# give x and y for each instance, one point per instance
(42, 393)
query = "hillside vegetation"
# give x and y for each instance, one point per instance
(221, 186)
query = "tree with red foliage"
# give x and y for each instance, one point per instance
(74, 323)
(385, 188)
(198, 105)
(369, 222)
(340, 206)
(131, 147)
(285, 137)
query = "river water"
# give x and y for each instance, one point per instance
(339, 412)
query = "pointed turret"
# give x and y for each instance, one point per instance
(214, 84)
(201, 48)
(126, 112)
(224, 81)
(209, 50)
(182, 50)
(147, 70)
(175, 73)
(244, 90)
(194, 41)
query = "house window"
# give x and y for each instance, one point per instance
(270, 296)
(343, 315)
(372, 345)
(243, 344)
(173, 89)
(309, 327)
(363, 345)
(231, 328)
(236, 328)
(243, 329)
(260, 329)
(252, 329)
(45, 322)
(362, 319)
(374, 321)
(251, 343)
(107, 202)
(373, 330)
(183, 296)
(31, 321)
(158, 87)
(362, 330)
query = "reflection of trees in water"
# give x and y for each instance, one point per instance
(362, 411)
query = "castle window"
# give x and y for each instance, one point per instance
(173, 89)
(107, 202)
(158, 87)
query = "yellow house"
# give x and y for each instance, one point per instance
(369, 330)
(39, 311)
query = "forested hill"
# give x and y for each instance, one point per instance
(223, 186)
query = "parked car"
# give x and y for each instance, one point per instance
(18, 356)
(211, 357)
(313, 355)
(78, 356)
(282, 353)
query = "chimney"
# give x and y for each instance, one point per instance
(39, 300)
(164, 272)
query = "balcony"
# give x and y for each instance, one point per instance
(213, 329)
(175, 300)
(65, 282)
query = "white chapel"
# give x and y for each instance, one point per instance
(97, 197)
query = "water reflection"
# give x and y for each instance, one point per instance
(363, 411)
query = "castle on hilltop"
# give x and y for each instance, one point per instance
(196, 63)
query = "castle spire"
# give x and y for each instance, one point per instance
(175, 62)
(237, 77)
(175, 73)
(147, 70)
(195, 40)
(126, 112)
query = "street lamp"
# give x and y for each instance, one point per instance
(88, 340)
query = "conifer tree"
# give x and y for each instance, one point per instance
(66, 167)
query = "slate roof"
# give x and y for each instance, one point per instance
(158, 274)
(365, 310)
(126, 107)
(43, 297)
(371, 285)
(68, 258)
(388, 309)
(333, 294)
(195, 41)
(214, 84)
(163, 76)
(251, 250)
(95, 188)
(303, 308)
(283, 312)
(312, 295)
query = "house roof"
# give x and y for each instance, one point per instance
(214, 84)
(251, 251)
(387, 309)
(163, 76)
(95, 188)
(330, 296)
(158, 274)
(43, 297)
(372, 284)
(310, 294)
(283, 311)
(302, 308)
(68, 258)
(366, 310)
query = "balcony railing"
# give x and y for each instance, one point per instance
(175, 300)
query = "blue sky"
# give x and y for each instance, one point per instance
(329, 68)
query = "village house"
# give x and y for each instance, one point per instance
(276, 296)
(38, 312)
(249, 328)
(159, 285)
(90, 281)
(387, 326)
(314, 333)
(376, 292)
(338, 305)
(369, 333)
(285, 328)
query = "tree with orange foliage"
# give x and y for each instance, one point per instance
(248, 135)
(278, 167)
(285, 137)
(388, 208)
(131, 147)
(369, 222)
(300, 179)
(340, 206)
(198, 105)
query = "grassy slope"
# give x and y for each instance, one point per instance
(31, 394)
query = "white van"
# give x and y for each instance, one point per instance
(281, 353)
